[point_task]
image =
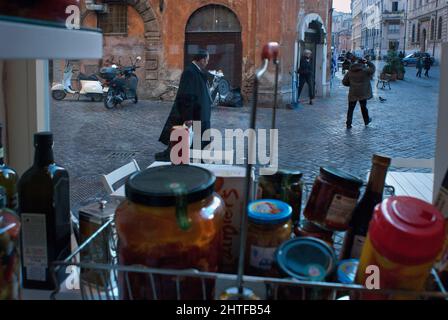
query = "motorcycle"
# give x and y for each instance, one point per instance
(122, 83)
(90, 86)
(219, 87)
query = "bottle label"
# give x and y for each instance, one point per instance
(358, 244)
(35, 256)
(442, 202)
(262, 258)
(341, 209)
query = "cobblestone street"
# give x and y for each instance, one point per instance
(90, 140)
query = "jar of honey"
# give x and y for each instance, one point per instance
(269, 226)
(405, 237)
(286, 186)
(171, 219)
(333, 199)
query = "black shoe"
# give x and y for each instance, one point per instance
(311, 102)
(349, 126)
(370, 120)
(163, 156)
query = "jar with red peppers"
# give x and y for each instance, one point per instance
(333, 199)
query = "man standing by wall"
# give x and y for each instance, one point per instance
(306, 75)
(193, 102)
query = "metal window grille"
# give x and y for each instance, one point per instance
(115, 22)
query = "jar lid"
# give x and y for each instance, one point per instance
(341, 176)
(307, 259)
(293, 175)
(161, 186)
(347, 271)
(268, 211)
(407, 230)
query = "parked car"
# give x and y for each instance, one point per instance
(411, 59)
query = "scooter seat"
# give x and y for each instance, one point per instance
(84, 77)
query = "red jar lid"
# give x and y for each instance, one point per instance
(407, 230)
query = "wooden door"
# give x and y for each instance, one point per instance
(226, 52)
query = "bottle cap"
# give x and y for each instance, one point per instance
(43, 138)
(407, 230)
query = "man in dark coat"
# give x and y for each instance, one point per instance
(427, 66)
(358, 79)
(306, 75)
(193, 102)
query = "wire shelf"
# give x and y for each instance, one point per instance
(101, 277)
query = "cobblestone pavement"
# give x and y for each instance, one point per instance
(90, 140)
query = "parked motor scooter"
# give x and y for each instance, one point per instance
(89, 86)
(219, 87)
(122, 84)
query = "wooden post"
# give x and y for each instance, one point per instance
(441, 165)
(27, 108)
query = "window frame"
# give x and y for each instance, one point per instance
(111, 20)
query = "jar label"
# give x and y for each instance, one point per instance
(358, 244)
(341, 209)
(34, 237)
(262, 258)
(442, 202)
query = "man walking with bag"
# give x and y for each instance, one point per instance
(306, 75)
(359, 79)
(193, 102)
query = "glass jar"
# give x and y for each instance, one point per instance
(171, 219)
(405, 237)
(269, 226)
(286, 186)
(306, 259)
(333, 199)
(309, 229)
(9, 251)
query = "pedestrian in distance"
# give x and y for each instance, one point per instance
(427, 66)
(358, 79)
(193, 102)
(306, 75)
(419, 67)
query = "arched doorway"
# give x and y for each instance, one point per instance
(217, 29)
(312, 36)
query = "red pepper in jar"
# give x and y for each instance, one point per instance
(333, 199)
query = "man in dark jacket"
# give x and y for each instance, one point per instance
(427, 66)
(306, 75)
(193, 102)
(358, 79)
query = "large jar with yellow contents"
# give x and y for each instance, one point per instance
(405, 237)
(171, 219)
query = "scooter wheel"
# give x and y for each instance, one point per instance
(58, 95)
(97, 98)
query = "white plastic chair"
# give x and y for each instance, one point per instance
(110, 179)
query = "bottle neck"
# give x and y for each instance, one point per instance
(43, 156)
(377, 179)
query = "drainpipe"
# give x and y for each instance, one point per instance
(405, 26)
(436, 25)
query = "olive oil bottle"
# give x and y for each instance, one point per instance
(44, 206)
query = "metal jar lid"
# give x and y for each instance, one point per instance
(162, 186)
(341, 177)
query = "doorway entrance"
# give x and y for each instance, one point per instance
(217, 29)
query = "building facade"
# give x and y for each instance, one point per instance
(427, 26)
(342, 31)
(167, 33)
(378, 26)
(356, 8)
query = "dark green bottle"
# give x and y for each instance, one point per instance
(8, 179)
(44, 206)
